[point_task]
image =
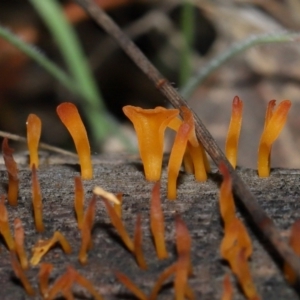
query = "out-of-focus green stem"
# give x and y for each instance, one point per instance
(101, 124)
(37, 55)
(187, 21)
(278, 37)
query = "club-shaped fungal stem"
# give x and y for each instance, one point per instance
(37, 201)
(12, 170)
(271, 132)
(70, 117)
(19, 243)
(79, 201)
(232, 140)
(34, 129)
(157, 223)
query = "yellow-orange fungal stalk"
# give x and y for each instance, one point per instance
(161, 279)
(227, 207)
(81, 280)
(177, 122)
(269, 135)
(4, 226)
(79, 201)
(227, 288)
(44, 273)
(86, 230)
(178, 150)
(119, 226)
(195, 162)
(232, 140)
(181, 276)
(168, 272)
(43, 246)
(21, 275)
(62, 285)
(107, 195)
(19, 243)
(34, 128)
(198, 157)
(131, 286)
(70, 117)
(157, 222)
(12, 170)
(235, 238)
(269, 112)
(137, 240)
(37, 201)
(244, 276)
(184, 266)
(150, 125)
(294, 242)
(118, 207)
(188, 162)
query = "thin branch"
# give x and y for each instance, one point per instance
(44, 146)
(260, 218)
(266, 38)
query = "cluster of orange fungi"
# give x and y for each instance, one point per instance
(150, 125)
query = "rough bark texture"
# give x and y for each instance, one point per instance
(197, 203)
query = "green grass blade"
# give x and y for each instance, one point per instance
(235, 49)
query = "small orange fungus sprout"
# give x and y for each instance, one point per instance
(118, 207)
(107, 195)
(269, 112)
(226, 201)
(119, 226)
(138, 243)
(44, 274)
(12, 170)
(37, 201)
(274, 123)
(157, 222)
(168, 272)
(34, 128)
(236, 246)
(42, 247)
(183, 134)
(184, 266)
(70, 117)
(150, 125)
(4, 226)
(19, 243)
(79, 201)
(227, 288)
(181, 269)
(195, 160)
(295, 245)
(21, 275)
(199, 160)
(131, 286)
(65, 282)
(86, 230)
(231, 145)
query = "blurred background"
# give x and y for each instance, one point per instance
(181, 38)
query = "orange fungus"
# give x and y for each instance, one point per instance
(70, 117)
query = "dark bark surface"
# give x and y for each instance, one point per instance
(197, 203)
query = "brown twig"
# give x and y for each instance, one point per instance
(44, 146)
(260, 218)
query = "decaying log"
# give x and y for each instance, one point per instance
(197, 203)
